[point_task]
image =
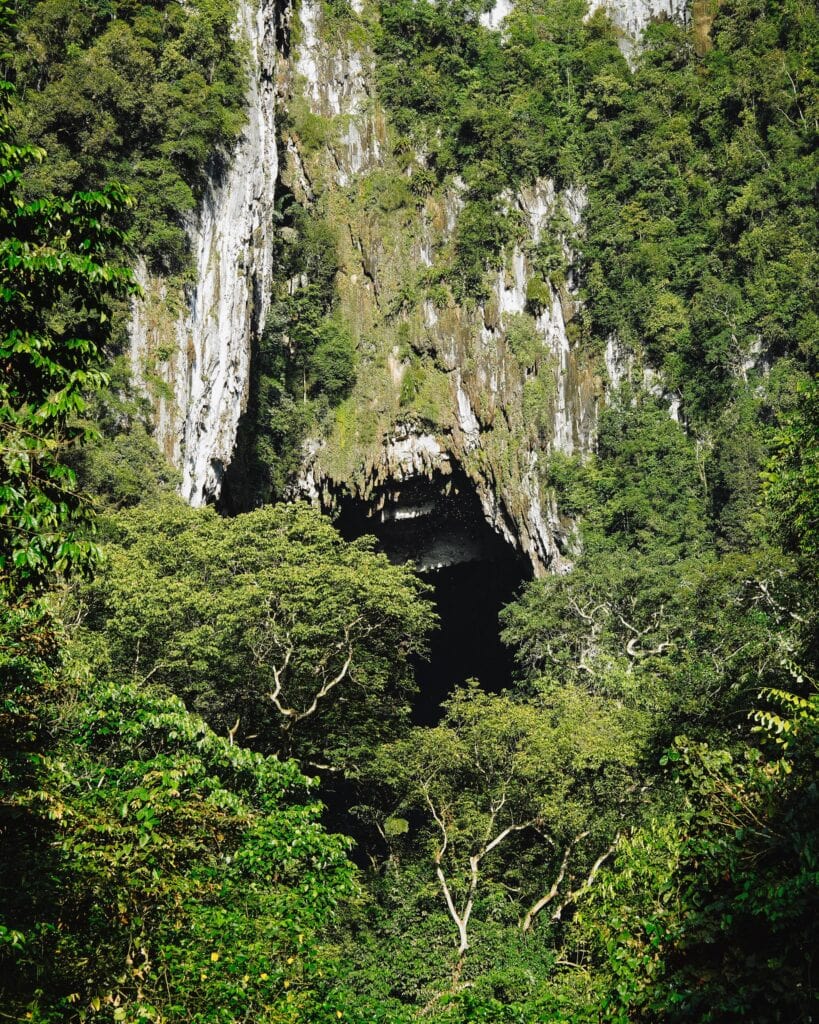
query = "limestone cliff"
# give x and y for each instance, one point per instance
(191, 343)
(632, 16)
(439, 383)
(492, 386)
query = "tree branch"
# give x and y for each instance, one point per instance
(438, 856)
(292, 714)
(536, 908)
(588, 881)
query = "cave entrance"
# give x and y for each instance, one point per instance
(438, 523)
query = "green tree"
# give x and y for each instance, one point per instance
(515, 796)
(183, 877)
(792, 476)
(143, 92)
(56, 288)
(700, 230)
(331, 367)
(709, 914)
(269, 618)
(120, 463)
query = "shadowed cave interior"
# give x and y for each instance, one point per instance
(438, 523)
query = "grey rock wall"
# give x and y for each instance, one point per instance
(191, 345)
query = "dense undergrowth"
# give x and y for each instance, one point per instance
(629, 834)
(699, 238)
(144, 93)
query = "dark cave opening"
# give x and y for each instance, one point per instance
(467, 645)
(438, 523)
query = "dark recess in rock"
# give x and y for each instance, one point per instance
(438, 523)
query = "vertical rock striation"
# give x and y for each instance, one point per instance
(630, 16)
(633, 16)
(468, 410)
(442, 388)
(192, 350)
(336, 86)
(494, 17)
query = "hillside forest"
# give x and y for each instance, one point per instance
(220, 801)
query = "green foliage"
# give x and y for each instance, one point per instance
(305, 364)
(792, 475)
(650, 614)
(411, 382)
(267, 617)
(649, 490)
(506, 789)
(539, 395)
(401, 970)
(312, 130)
(153, 871)
(143, 92)
(711, 915)
(707, 911)
(51, 249)
(175, 876)
(797, 719)
(699, 236)
(538, 294)
(700, 231)
(120, 464)
(330, 369)
(342, 21)
(385, 192)
(496, 110)
(480, 234)
(56, 290)
(524, 341)
(572, 480)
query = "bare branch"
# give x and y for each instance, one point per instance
(277, 676)
(631, 648)
(588, 881)
(232, 732)
(292, 714)
(588, 616)
(325, 689)
(536, 908)
(502, 835)
(628, 625)
(764, 587)
(460, 921)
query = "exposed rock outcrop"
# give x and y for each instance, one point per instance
(633, 16)
(191, 344)
(473, 403)
(630, 16)
(443, 385)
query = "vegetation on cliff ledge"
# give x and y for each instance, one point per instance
(215, 804)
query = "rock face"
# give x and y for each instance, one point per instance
(632, 16)
(494, 18)
(191, 345)
(335, 86)
(473, 406)
(485, 390)
(432, 518)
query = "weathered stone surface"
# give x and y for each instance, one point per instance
(473, 416)
(191, 345)
(440, 388)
